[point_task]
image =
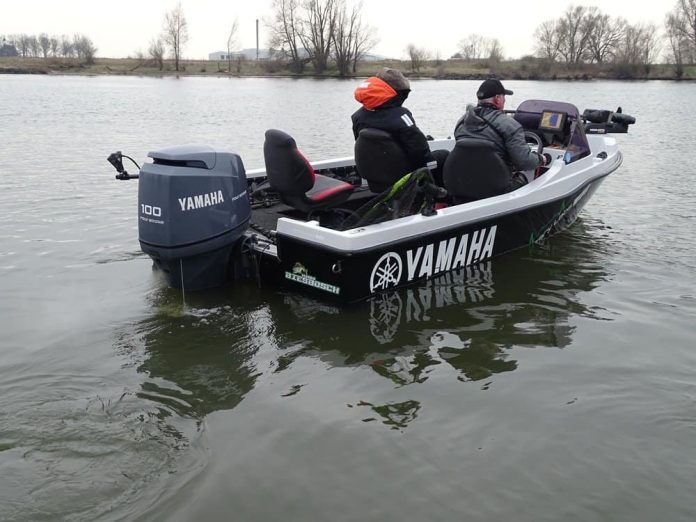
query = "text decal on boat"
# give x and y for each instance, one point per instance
(433, 258)
(299, 274)
(201, 201)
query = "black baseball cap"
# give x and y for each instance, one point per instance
(490, 88)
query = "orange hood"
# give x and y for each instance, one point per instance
(373, 92)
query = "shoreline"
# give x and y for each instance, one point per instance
(445, 70)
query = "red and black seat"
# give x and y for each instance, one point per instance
(293, 177)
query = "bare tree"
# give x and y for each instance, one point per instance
(677, 45)
(22, 42)
(55, 45)
(351, 39)
(344, 36)
(84, 48)
(681, 22)
(317, 31)
(44, 45)
(638, 50)
(175, 33)
(67, 50)
(156, 52)
(476, 47)
(547, 44)
(365, 40)
(285, 29)
(572, 34)
(33, 46)
(681, 47)
(472, 47)
(494, 51)
(418, 56)
(231, 43)
(604, 36)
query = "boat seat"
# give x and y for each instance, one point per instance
(290, 174)
(473, 171)
(379, 159)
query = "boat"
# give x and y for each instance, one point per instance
(347, 228)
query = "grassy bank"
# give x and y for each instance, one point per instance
(446, 69)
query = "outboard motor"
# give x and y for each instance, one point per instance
(605, 122)
(193, 209)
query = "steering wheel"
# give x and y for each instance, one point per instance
(534, 141)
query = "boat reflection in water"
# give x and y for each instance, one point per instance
(470, 316)
(216, 352)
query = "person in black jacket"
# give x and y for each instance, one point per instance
(382, 97)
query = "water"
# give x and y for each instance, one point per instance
(552, 384)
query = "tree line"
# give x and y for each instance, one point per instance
(319, 33)
(584, 35)
(332, 33)
(48, 46)
(680, 33)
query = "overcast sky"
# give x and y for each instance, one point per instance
(123, 27)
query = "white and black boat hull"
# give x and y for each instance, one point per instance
(350, 276)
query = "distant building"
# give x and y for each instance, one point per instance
(223, 56)
(245, 54)
(372, 57)
(8, 50)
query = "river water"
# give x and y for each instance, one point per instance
(552, 384)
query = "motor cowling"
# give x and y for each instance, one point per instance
(193, 209)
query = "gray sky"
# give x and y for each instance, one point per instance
(121, 28)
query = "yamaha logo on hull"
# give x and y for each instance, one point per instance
(433, 258)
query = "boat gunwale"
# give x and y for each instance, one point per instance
(310, 232)
(390, 244)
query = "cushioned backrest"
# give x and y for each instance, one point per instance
(287, 169)
(473, 170)
(380, 159)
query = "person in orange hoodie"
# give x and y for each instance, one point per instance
(382, 97)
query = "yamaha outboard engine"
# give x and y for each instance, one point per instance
(193, 209)
(605, 122)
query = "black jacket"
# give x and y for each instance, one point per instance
(398, 121)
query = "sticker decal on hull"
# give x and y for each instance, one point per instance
(300, 274)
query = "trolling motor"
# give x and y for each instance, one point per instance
(116, 159)
(606, 122)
